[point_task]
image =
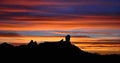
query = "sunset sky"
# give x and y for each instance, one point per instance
(87, 21)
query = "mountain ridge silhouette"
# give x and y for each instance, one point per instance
(61, 51)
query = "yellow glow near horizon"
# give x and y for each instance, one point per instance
(81, 43)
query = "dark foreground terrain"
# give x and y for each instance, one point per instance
(51, 52)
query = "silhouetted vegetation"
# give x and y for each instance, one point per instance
(62, 51)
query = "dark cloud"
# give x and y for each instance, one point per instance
(111, 42)
(89, 32)
(78, 0)
(82, 36)
(9, 34)
(88, 7)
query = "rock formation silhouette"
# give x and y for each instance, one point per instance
(52, 52)
(32, 44)
(67, 38)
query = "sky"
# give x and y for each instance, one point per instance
(87, 21)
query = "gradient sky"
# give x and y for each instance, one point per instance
(85, 20)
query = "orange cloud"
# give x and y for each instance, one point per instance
(3, 9)
(60, 25)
